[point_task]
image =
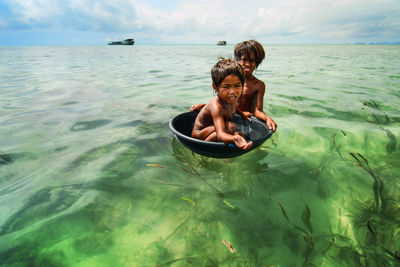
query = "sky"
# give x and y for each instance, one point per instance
(82, 22)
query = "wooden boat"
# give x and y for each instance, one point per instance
(256, 131)
(221, 43)
(124, 42)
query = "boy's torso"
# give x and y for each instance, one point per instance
(248, 99)
(205, 118)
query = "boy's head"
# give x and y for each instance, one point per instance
(251, 50)
(225, 67)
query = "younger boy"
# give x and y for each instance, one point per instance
(214, 122)
(250, 54)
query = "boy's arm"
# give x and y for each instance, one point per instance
(260, 100)
(222, 135)
(268, 120)
(197, 107)
(259, 112)
(219, 124)
(244, 114)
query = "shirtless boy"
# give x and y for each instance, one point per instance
(250, 54)
(214, 122)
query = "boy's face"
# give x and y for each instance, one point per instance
(248, 63)
(230, 89)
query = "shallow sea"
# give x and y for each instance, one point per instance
(90, 174)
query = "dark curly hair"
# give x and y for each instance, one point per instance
(250, 48)
(225, 67)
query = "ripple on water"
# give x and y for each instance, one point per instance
(91, 175)
(88, 125)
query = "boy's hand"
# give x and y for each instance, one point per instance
(247, 115)
(241, 143)
(268, 120)
(196, 107)
(271, 123)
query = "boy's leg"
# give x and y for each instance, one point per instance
(233, 129)
(230, 127)
(207, 134)
(212, 137)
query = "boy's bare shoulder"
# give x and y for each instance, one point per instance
(213, 105)
(257, 84)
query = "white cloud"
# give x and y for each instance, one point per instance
(30, 10)
(207, 20)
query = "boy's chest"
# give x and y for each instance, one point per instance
(248, 92)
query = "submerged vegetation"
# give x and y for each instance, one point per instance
(374, 238)
(90, 174)
(378, 221)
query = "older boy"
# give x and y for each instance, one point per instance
(250, 54)
(214, 122)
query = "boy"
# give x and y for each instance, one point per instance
(250, 54)
(214, 122)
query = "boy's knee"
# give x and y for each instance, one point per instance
(231, 127)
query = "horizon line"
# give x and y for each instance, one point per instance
(208, 44)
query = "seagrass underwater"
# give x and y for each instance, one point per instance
(91, 175)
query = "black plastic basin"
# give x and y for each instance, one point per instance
(256, 131)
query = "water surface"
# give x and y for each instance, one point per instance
(90, 174)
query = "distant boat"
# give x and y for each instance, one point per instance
(221, 43)
(124, 42)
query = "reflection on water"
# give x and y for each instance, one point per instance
(90, 174)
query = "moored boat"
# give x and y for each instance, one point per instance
(124, 42)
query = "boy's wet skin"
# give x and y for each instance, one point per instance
(214, 122)
(251, 84)
(227, 95)
(250, 54)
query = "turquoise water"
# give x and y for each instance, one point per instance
(90, 174)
